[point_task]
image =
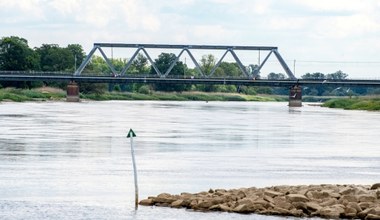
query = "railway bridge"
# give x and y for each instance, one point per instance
(248, 76)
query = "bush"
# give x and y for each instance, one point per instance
(145, 89)
(248, 90)
(339, 103)
(354, 104)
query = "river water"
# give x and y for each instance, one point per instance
(73, 161)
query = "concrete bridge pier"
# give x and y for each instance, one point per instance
(295, 96)
(72, 92)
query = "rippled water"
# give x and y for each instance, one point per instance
(72, 160)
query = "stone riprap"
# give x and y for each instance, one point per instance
(326, 201)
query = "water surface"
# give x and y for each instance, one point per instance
(72, 160)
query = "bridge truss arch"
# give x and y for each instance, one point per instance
(185, 48)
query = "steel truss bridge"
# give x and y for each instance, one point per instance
(248, 78)
(188, 49)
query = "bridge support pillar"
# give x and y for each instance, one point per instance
(72, 92)
(295, 96)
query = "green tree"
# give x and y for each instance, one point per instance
(55, 58)
(163, 63)
(15, 54)
(316, 75)
(97, 66)
(140, 64)
(78, 54)
(276, 76)
(338, 75)
(207, 63)
(229, 70)
(118, 64)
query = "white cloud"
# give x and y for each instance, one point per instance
(314, 29)
(349, 26)
(336, 5)
(66, 7)
(288, 24)
(138, 16)
(22, 10)
(211, 33)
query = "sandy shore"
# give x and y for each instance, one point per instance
(326, 201)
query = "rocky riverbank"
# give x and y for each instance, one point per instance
(326, 201)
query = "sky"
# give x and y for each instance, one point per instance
(311, 35)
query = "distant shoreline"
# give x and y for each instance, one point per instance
(369, 103)
(49, 94)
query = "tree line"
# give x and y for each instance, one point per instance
(16, 55)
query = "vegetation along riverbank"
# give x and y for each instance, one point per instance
(55, 94)
(371, 103)
(363, 103)
(326, 201)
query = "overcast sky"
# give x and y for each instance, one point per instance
(321, 35)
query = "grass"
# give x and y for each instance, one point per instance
(45, 94)
(22, 95)
(184, 96)
(366, 103)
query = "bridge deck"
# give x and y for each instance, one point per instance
(179, 80)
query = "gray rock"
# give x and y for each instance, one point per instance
(347, 191)
(297, 198)
(297, 213)
(179, 203)
(366, 205)
(348, 198)
(350, 212)
(368, 211)
(281, 211)
(355, 206)
(146, 202)
(366, 198)
(372, 217)
(204, 204)
(164, 198)
(215, 208)
(242, 209)
(375, 186)
(186, 195)
(330, 212)
(329, 202)
(225, 208)
(326, 201)
(193, 204)
(272, 193)
(319, 195)
(313, 207)
(269, 199)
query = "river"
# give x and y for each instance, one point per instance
(73, 161)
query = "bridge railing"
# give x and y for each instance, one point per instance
(36, 73)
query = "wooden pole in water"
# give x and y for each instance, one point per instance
(132, 134)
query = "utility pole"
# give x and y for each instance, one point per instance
(75, 62)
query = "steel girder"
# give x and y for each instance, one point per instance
(185, 48)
